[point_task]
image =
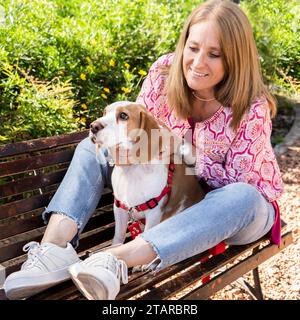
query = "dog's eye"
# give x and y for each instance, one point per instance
(123, 116)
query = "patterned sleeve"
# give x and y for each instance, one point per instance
(152, 91)
(250, 158)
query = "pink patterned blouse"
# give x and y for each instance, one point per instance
(224, 156)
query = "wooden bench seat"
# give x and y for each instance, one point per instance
(30, 173)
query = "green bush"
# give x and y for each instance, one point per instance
(104, 48)
(30, 108)
(62, 61)
(276, 25)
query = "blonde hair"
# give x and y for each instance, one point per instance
(242, 82)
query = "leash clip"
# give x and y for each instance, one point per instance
(130, 213)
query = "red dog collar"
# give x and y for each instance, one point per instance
(152, 203)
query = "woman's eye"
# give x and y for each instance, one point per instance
(123, 116)
(215, 55)
(193, 49)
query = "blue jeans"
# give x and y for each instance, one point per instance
(236, 213)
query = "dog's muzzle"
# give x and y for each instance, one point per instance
(95, 127)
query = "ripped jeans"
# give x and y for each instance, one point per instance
(236, 213)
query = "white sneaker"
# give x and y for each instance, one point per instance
(98, 277)
(47, 264)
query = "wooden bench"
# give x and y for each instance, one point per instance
(31, 171)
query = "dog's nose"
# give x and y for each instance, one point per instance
(96, 126)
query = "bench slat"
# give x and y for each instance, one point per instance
(20, 226)
(15, 249)
(31, 183)
(36, 162)
(41, 144)
(36, 202)
(25, 205)
(34, 221)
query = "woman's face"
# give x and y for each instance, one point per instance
(203, 66)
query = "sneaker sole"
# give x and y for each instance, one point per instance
(91, 287)
(16, 289)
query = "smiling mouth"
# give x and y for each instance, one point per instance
(198, 74)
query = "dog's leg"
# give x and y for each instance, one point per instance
(153, 217)
(121, 220)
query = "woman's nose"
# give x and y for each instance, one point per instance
(199, 59)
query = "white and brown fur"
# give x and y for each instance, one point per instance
(137, 183)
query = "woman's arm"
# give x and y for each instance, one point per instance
(152, 93)
(250, 158)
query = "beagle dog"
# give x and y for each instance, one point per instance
(149, 178)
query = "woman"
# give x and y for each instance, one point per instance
(213, 85)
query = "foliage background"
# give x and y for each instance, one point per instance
(62, 61)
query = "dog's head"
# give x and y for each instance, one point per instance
(127, 127)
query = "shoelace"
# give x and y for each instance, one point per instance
(110, 262)
(34, 249)
(122, 271)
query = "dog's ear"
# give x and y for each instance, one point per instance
(147, 124)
